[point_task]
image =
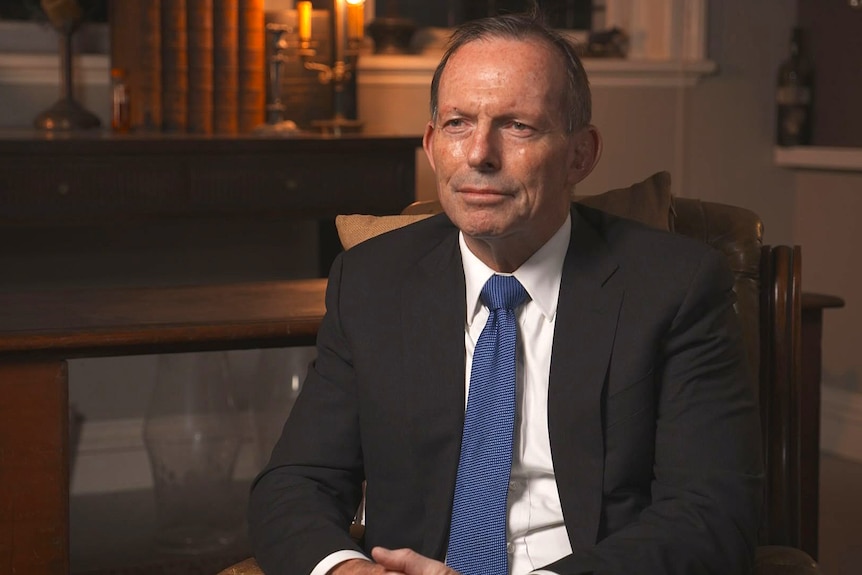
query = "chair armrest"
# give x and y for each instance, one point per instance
(781, 560)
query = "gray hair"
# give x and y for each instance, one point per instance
(577, 99)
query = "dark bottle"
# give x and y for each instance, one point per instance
(794, 96)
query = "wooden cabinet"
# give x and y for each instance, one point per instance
(52, 187)
(87, 178)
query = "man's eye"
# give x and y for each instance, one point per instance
(453, 123)
(520, 126)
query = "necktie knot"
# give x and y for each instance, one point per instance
(503, 292)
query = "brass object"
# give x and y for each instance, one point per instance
(66, 113)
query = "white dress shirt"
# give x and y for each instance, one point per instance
(535, 530)
(536, 533)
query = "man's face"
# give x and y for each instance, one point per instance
(504, 160)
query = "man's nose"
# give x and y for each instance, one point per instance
(484, 149)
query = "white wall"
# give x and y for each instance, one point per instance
(827, 226)
(729, 118)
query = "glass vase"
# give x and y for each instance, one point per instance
(277, 383)
(192, 436)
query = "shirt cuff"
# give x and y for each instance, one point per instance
(334, 559)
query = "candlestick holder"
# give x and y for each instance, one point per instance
(66, 113)
(283, 48)
(339, 72)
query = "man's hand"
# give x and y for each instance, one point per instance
(408, 562)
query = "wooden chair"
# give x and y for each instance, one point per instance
(769, 305)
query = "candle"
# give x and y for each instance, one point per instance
(355, 19)
(303, 15)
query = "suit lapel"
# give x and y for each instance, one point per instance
(433, 315)
(589, 304)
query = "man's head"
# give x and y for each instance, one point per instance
(509, 135)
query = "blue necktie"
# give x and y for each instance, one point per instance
(477, 536)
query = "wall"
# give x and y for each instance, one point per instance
(715, 137)
(729, 118)
(833, 36)
(827, 226)
(826, 223)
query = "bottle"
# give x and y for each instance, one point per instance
(121, 119)
(794, 96)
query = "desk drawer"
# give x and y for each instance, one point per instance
(313, 185)
(89, 189)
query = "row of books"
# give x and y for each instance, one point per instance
(195, 66)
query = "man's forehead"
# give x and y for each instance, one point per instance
(503, 49)
(517, 65)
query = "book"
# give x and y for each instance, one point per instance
(226, 66)
(135, 28)
(252, 64)
(200, 70)
(175, 66)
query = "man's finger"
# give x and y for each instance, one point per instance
(409, 562)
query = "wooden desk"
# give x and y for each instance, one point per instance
(39, 330)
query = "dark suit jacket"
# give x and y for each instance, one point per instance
(653, 421)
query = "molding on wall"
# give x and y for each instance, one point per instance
(841, 423)
(820, 158)
(44, 69)
(111, 457)
(93, 70)
(417, 70)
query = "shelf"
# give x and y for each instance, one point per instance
(819, 158)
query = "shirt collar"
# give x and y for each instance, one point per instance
(540, 275)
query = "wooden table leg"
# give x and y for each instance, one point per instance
(34, 467)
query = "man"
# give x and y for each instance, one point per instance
(635, 440)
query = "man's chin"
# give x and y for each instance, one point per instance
(485, 229)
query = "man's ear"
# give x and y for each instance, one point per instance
(427, 141)
(586, 151)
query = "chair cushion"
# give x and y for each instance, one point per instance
(356, 228)
(648, 202)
